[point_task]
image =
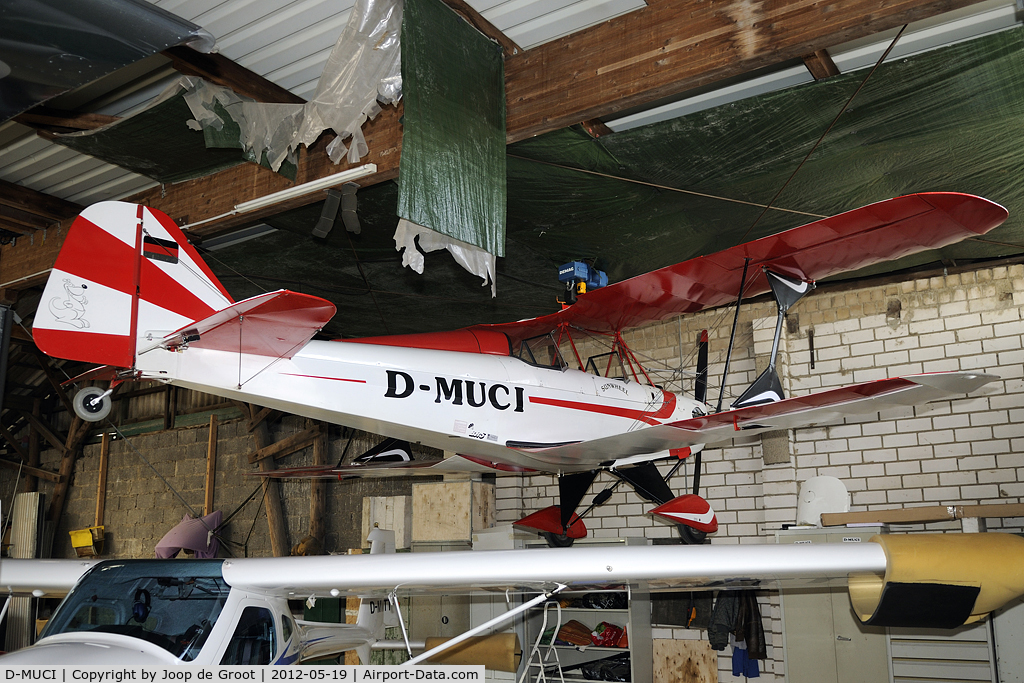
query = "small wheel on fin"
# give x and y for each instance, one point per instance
(90, 406)
(690, 535)
(557, 540)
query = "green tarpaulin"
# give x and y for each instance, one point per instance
(452, 171)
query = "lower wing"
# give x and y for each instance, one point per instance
(825, 407)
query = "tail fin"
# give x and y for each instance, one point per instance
(125, 272)
(376, 615)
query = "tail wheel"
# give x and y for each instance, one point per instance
(92, 404)
(691, 536)
(557, 540)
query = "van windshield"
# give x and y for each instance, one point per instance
(171, 603)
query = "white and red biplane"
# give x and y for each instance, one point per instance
(129, 292)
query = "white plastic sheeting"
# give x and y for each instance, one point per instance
(363, 71)
(474, 259)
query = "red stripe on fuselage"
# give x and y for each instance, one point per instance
(336, 379)
(668, 406)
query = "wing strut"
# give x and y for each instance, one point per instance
(767, 388)
(732, 335)
(486, 626)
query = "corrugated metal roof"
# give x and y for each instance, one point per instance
(534, 22)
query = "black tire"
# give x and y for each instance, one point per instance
(557, 540)
(690, 535)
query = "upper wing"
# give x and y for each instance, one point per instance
(800, 411)
(873, 234)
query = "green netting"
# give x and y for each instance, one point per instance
(229, 137)
(943, 120)
(155, 143)
(158, 144)
(452, 169)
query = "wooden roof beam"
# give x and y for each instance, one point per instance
(37, 203)
(820, 64)
(477, 21)
(672, 46)
(218, 69)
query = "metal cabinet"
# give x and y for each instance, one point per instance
(824, 641)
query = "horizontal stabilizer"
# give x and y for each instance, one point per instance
(277, 324)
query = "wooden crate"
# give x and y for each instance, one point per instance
(451, 511)
(388, 512)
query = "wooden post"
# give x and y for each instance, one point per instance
(275, 513)
(101, 484)
(170, 406)
(211, 465)
(318, 487)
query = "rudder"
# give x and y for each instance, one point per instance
(90, 310)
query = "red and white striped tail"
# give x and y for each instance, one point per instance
(125, 276)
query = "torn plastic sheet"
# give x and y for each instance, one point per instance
(474, 259)
(363, 70)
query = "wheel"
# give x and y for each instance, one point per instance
(557, 540)
(88, 407)
(690, 535)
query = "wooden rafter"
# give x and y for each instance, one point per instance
(820, 64)
(218, 69)
(54, 121)
(672, 46)
(37, 203)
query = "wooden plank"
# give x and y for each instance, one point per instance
(170, 405)
(929, 513)
(820, 64)
(211, 466)
(451, 511)
(684, 661)
(216, 68)
(13, 443)
(29, 470)
(259, 417)
(56, 121)
(51, 377)
(101, 482)
(27, 199)
(45, 431)
(672, 46)
(286, 446)
(318, 487)
(276, 522)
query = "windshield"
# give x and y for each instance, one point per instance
(541, 351)
(171, 603)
